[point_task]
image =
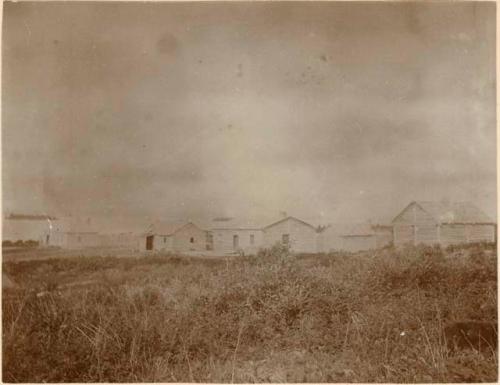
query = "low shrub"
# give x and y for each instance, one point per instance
(365, 317)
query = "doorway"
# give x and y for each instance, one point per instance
(149, 242)
(236, 242)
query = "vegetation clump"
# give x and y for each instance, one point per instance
(379, 316)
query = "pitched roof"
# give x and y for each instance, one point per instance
(167, 228)
(290, 218)
(454, 212)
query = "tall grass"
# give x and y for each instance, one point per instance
(367, 317)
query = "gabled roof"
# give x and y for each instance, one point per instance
(287, 219)
(167, 228)
(453, 212)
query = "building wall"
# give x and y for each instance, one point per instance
(384, 237)
(302, 237)
(452, 234)
(72, 240)
(415, 226)
(162, 243)
(466, 233)
(180, 241)
(54, 238)
(328, 240)
(403, 234)
(426, 227)
(223, 240)
(190, 238)
(24, 230)
(359, 243)
(478, 233)
(122, 240)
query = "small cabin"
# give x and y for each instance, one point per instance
(175, 237)
(71, 233)
(17, 228)
(355, 237)
(442, 223)
(229, 235)
(300, 236)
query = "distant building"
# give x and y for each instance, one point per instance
(19, 227)
(128, 240)
(175, 237)
(228, 235)
(300, 236)
(354, 237)
(442, 223)
(119, 232)
(384, 235)
(71, 233)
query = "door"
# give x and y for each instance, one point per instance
(149, 242)
(236, 242)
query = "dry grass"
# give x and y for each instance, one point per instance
(367, 317)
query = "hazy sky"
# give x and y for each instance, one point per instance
(342, 110)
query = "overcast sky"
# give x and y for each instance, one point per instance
(343, 110)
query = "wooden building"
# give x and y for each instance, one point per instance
(18, 227)
(354, 237)
(235, 236)
(442, 223)
(120, 231)
(300, 236)
(383, 234)
(175, 237)
(125, 240)
(71, 233)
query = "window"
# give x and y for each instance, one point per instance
(191, 240)
(252, 239)
(164, 239)
(285, 238)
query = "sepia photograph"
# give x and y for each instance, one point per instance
(249, 192)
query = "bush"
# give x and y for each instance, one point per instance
(20, 243)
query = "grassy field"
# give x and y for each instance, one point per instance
(366, 317)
